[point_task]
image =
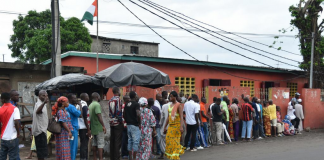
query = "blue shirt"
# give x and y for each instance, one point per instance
(261, 110)
(75, 114)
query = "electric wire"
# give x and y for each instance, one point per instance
(223, 39)
(222, 30)
(202, 37)
(165, 12)
(299, 76)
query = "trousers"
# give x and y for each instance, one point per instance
(191, 132)
(246, 129)
(116, 133)
(84, 143)
(74, 144)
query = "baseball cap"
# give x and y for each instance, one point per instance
(297, 94)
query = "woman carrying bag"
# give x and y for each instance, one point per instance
(62, 139)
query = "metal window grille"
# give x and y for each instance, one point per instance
(322, 95)
(106, 47)
(249, 84)
(293, 88)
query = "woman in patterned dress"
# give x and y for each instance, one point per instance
(230, 125)
(147, 126)
(62, 140)
(173, 148)
(266, 119)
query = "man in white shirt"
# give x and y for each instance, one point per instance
(299, 114)
(191, 110)
(158, 100)
(40, 124)
(84, 128)
(9, 126)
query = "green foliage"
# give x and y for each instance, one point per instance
(305, 17)
(32, 38)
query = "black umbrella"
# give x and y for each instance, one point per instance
(68, 80)
(131, 73)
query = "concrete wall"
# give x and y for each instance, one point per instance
(280, 97)
(123, 47)
(313, 108)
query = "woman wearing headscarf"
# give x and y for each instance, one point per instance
(288, 126)
(173, 148)
(266, 119)
(147, 126)
(62, 144)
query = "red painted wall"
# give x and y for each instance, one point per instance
(182, 70)
(313, 108)
(279, 99)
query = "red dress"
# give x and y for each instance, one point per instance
(230, 126)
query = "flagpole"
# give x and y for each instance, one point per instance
(97, 37)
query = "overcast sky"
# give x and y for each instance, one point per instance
(246, 16)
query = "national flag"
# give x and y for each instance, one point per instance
(90, 13)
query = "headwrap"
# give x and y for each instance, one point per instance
(287, 120)
(55, 107)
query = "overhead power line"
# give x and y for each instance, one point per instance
(164, 27)
(221, 70)
(166, 13)
(233, 33)
(226, 40)
(202, 37)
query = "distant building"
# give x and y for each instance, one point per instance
(123, 46)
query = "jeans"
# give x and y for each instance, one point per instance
(116, 134)
(201, 139)
(191, 132)
(11, 148)
(206, 131)
(124, 149)
(247, 125)
(134, 135)
(74, 144)
(84, 139)
(236, 127)
(158, 136)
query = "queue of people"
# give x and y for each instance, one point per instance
(171, 123)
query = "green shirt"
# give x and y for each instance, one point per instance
(225, 108)
(95, 124)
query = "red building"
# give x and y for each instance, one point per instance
(192, 75)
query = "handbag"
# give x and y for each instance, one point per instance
(54, 126)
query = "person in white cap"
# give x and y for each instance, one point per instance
(299, 114)
(147, 125)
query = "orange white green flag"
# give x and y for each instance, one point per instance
(91, 12)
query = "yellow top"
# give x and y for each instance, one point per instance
(273, 111)
(266, 111)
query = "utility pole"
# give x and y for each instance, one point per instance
(56, 40)
(312, 61)
(3, 57)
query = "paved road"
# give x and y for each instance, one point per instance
(308, 146)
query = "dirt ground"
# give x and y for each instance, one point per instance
(309, 145)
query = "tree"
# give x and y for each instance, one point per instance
(32, 38)
(305, 17)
